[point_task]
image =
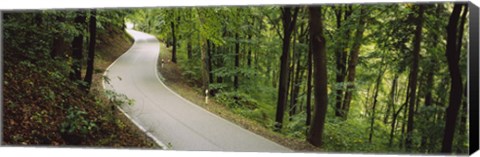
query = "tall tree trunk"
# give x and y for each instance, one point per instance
(91, 48)
(394, 121)
(174, 48)
(318, 43)
(209, 62)
(404, 115)
(341, 57)
(414, 74)
(77, 46)
(296, 87)
(391, 103)
(59, 45)
(453, 57)
(293, 75)
(352, 63)
(237, 61)
(249, 53)
(289, 21)
(372, 120)
(205, 68)
(309, 86)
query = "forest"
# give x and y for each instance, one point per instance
(345, 78)
(382, 78)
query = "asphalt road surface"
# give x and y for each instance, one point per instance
(168, 118)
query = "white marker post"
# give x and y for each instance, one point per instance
(162, 63)
(206, 96)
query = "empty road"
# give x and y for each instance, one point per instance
(166, 116)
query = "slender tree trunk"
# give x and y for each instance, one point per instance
(293, 75)
(174, 48)
(77, 46)
(209, 62)
(341, 56)
(309, 86)
(249, 53)
(220, 63)
(59, 45)
(352, 63)
(296, 87)
(404, 115)
(414, 72)
(205, 67)
(372, 120)
(237, 61)
(318, 43)
(394, 121)
(289, 21)
(453, 57)
(391, 103)
(91, 49)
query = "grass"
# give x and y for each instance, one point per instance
(174, 79)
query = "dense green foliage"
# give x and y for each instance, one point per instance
(234, 52)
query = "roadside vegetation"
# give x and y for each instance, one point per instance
(42, 103)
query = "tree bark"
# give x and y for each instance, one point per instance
(391, 103)
(59, 46)
(209, 62)
(91, 49)
(77, 48)
(318, 43)
(309, 86)
(341, 59)
(174, 44)
(453, 57)
(394, 121)
(237, 62)
(352, 63)
(289, 21)
(249, 53)
(372, 120)
(414, 74)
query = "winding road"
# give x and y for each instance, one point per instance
(168, 118)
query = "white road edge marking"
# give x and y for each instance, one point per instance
(157, 141)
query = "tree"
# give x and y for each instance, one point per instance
(453, 57)
(289, 21)
(91, 48)
(77, 47)
(317, 42)
(352, 63)
(237, 61)
(413, 74)
(341, 55)
(309, 87)
(375, 100)
(174, 46)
